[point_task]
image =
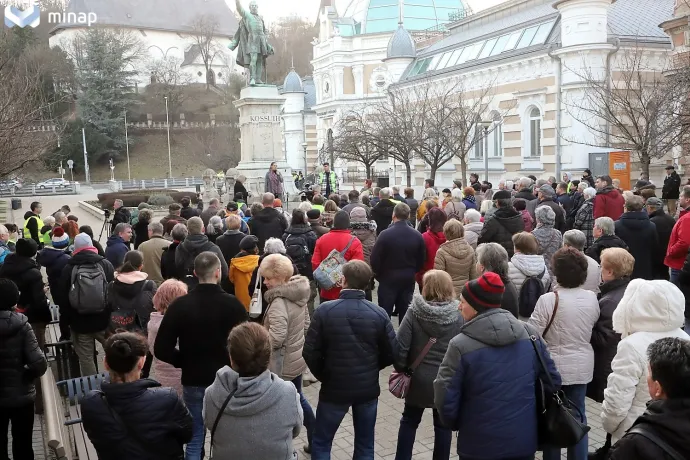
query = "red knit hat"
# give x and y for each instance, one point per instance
(485, 292)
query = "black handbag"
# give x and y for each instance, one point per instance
(559, 421)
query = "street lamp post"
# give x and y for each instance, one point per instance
(167, 120)
(129, 171)
(486, 125)
(304, 146)
(86, 159)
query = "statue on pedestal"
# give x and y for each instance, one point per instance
(230, 179)
(251, 42)
(210, 192)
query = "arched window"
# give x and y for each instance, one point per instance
(496, 141)
(534, 133)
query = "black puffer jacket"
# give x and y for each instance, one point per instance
(671, 189)
(133, 290)
(141, 233)
(604, 339)
(27, 276)
(168, 267)
(268, 223)
(604, 242)
(639, 233)
(120, 216)
(668, 419)
(54, 260)
(500, 229)
(21, 360)
(349, 341)
(191, 247)
(304, 231)
(382, 213)
(84, 324)
(156, 415)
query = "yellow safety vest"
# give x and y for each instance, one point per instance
(27, 233)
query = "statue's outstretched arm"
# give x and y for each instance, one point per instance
(240, 9)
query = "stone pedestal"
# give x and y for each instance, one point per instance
(114, 185)
(260, 132)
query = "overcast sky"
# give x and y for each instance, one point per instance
(274, 9)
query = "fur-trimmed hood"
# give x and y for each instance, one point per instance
(371, 226)
(439, 313)
(296, 290)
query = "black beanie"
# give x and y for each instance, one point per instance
(9, 294)
(313, 214)
(341, 221)
(26, 247)
(249, 242)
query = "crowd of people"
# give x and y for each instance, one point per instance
(214, 318)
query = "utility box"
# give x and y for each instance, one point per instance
(615, 164)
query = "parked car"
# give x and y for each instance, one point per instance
(50, 183)
(9, 184)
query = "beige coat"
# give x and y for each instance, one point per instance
(153, 251)
(287, 321)
(457, 258)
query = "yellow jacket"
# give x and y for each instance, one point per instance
(240, 275)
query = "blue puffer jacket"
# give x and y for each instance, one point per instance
(349, 341)
(485, 388)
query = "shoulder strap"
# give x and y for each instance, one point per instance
(533, 338)
(130, 432)
(220, 413)
(257, 285)
(647, 432)
(423, 353)
(553, 316)
(344, 251)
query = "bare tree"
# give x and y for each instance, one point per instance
(352, 143)
(291, 39)
(641, 109)
(217, 147)
(30, 89)
(168, 79)
(203, 37)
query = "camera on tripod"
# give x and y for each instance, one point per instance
(107, 213)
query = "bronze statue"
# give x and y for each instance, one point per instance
(250, 41)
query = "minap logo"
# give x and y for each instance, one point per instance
(31, 17)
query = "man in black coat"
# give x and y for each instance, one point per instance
(187, 212)
(268, 223)
(382, 213)
(21, 362)
(120, 216)
(229, 244)
(671, 190)
(640, 234)
(668, 414)
(562, 197)
(348, 343)
(604, 238)
(168, 267)
(195, 243)
(524, 190)
(545, 197)
(193, 337)
(503, 224)
(83, 328)
(664, 226)
(398, 254)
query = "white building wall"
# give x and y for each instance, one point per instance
(161, 44)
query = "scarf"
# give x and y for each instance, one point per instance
(471, 198)
(276, 185)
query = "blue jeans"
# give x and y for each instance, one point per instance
(576, 395)
(328, 419)
(411, 418)
(309, 419)
(675, 274)
(398, 295)
(194, 400)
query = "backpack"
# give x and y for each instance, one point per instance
(124, 317)
(329, 273)
(88, 292)
(531, 290)
(298, 251)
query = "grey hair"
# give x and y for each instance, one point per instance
(472, 216)
(49, 220)
(509, 184)
(214, 223)
(205, 266)
(429, 193)
(494, 258)
(3, 230)
(634, 203)
(179, 232)
(545, 216)
(456, 194)
(395, 190)
(274, 246)
(575, 239)
(304, 206)
(59, 216)
(385, 193)
(589, 192)
(541, 182)
(156, 228)
(525, 182)
(121, 227)
(582, 186)
(606, 225)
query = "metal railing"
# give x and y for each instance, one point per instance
(156, 183)
(33, 190)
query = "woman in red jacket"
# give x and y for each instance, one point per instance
(433, 239)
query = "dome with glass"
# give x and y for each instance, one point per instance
(373, 16)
